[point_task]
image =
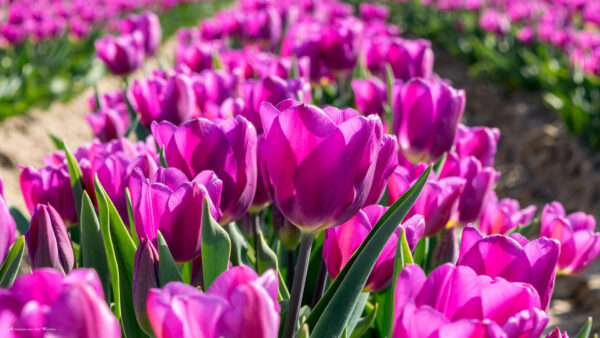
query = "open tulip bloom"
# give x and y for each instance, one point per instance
(265, 196)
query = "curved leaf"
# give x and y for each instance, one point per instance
(10, 267)
(215, 248)
(167, 268)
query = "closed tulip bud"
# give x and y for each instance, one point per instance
(169, 202)
(369, 95)
(425, 117)
(409, 58)
(472, 305)
(262, 26)
(288, 234)
(325, 183)
(341, 242)
(480, 142)
(198, 56)
(557, 334)
(121, 54)
(49, 185)
(339, 44)
(68, 306)
(48, 242)
(145, 277)
(494, 21)
(8, 227)
(227, 147)
(148, 24)
(513, 258)
(579, 244)
(109, 124)
(500, 217)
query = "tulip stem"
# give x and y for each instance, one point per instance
(254, 220)
(320, 284)
(291, 260)
(291, 318)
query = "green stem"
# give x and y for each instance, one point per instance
(291, 318)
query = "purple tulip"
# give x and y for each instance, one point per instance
(370, 95)
(213, 86)
(71, 306)
(319, 163)
(425, 117)
(480, 142)
(146, 23)
(169, 202)
(262, 26)
(228, 147)
(272, 89)
(579, 244)
(198, 56)
(513, 258)
(8, 227)
(408, 58)
(454, 300)
(341, 242)
(303, 40)
(48, 242)
(494, 21)
(145, 277)
(500, 217)
(109, 124)
(339, 45)
(49, 185)
(557, 334)
(437, 202)
(170, 100)
(239, 303)
(261, 197)
(372, 12)
(387, 161)
(121, 54)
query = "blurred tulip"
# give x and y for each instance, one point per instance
(500, 217)
(109, 124)
(454, 300)
(387, 161)
(228, 147)
(557, 334)
(148, 24)
(370, 95)
(46, 303)
(341, 242)
(319, 163)
(407, 58)
(339, 45)
(425, 117)
(121, 54)
(145, 277)
(513, 258)
(373, 12)
(169, 202)
(579, 244)
(239, 303)
(480, 142)
(494, 21)
(48, 242)
(8, 227)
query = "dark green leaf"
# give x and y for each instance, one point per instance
(163, 159)
(357, 312)
(20, 219)
(402, 257)
(215, 247)
(10, 267)
(167, 268)
(364, 323)
(239, 246)
(132, 229)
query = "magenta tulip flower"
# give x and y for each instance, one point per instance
(557, 334)
(408, 58)
(437, 202)
(579, 244)
(425, 117)
(121, 54)
(373, 12)
(198, 55)
(8, 227)
(48, 242)
(341, 242)
(494, 21)
(147, 23)
(500, 217)
(480, 142)
(261, 197)
(455, 300)
(109, 124)
(339, 44)
(262, 26)
(46, 302)
(228, 147)
(169, 202)
(239, 303)
(387, 161)
(369, 95)
(49, 185)
(319, 163)
(513, 258)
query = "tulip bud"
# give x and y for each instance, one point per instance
(8, 227)
(479, 183)
(480, 142)
(48, 242)
(369, 95)
(557, 334)
(109, 124)
(339, 44)
(145, 277)
(121, 54)
(500, 217)
(148, 25)
(288, 234)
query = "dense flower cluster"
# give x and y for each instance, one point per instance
(245, 138)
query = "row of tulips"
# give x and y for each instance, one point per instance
(47, 47)
(548, 46)
(251, 206)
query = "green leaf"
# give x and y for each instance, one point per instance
(421, 251)
(216, 60)
(20, 219)
(92, 248)
(167, 268)
(402, 257)
(365, 323)
(389, 81)
(382, 319)
(120, 252)
(75, 175)
(266, 258)
(304, 332)
(331, 314)
(439, 164)
(357, 312)
(132, 229)
(215, 247)
(239, 246)
(584, 332)
(186, 272)
(10, 267)
(163, 159)
(140, 131)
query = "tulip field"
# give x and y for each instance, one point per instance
(299, 168)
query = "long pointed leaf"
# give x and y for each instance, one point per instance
(215, 246)
(330, 315)
(76, 177)
(402, 257)
(585, 330)
(167, 268)
(20, 220)
(10, 267)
